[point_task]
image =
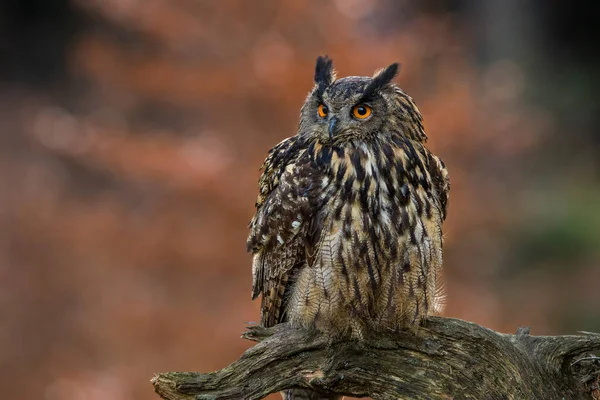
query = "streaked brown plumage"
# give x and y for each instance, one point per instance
(347, 235)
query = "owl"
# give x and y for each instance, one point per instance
(347, 235)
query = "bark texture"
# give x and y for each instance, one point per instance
(446, 359)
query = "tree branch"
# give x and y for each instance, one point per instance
(445, 359)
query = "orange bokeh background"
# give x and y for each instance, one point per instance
(128, 175)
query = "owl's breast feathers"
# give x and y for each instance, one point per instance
(349, 235)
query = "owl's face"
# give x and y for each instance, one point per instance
(358, 108)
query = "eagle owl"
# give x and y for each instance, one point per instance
(347, 235)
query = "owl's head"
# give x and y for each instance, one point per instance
(356, 108)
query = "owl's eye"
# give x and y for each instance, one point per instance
(322, 110)
(361, 111)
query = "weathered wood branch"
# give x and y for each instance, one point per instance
(447, 359)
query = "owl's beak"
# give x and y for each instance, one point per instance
(332, 126)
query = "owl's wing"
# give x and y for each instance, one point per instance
(441, 182)
(441, 186)
(279, 229)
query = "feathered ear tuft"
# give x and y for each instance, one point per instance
(381, 78)
(324, 73)
(385, 76)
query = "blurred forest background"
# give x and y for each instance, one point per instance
(131, 132)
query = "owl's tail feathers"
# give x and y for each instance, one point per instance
(303, 394)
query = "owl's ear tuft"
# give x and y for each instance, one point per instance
(324, 73)
(381, 78)
(385, 75)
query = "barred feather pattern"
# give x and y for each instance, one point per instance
(350, 236)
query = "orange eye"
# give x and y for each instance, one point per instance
(322, 110)
(361, 111)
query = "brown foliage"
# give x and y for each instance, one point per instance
(125, 197)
